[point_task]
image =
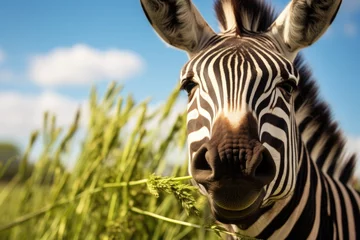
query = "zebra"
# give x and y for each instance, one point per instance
(262, 145)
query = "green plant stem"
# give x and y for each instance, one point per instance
(138, 182)
(43, 210)
(170, 220)
(137, 210)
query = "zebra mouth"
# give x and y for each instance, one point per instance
(236, 206)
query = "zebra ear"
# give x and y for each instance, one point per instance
(178, 23)
(302, 23)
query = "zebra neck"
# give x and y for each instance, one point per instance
(318, 202)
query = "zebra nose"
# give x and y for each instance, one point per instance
(208, 167)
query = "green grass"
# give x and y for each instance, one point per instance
(112, 192)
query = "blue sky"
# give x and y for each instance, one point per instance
(43, 42)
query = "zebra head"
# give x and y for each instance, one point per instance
(241, 84)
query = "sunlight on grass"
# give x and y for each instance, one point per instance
(112, 192)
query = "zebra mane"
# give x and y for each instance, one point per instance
(321, 134)
(324, 141)
(250, 15)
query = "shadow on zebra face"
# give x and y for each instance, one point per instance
(242, 133)
(234, 166)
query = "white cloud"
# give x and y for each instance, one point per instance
(22, 114)
(350, 29)
(2, 56)
(81, 64)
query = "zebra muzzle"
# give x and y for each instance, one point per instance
(235, 184)
(257, 166)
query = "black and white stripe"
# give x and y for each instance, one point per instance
(243, 70)
(308, 201)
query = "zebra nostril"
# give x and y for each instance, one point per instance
(200, 162)
(200, 167)
(264, 169)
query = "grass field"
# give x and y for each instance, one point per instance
(114, 190)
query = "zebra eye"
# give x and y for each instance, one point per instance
(289, 86)
(188, 85)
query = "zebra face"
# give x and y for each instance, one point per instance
(241, 125)
(241, 85)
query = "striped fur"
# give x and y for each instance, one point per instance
(310, 197)
(244, 69)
